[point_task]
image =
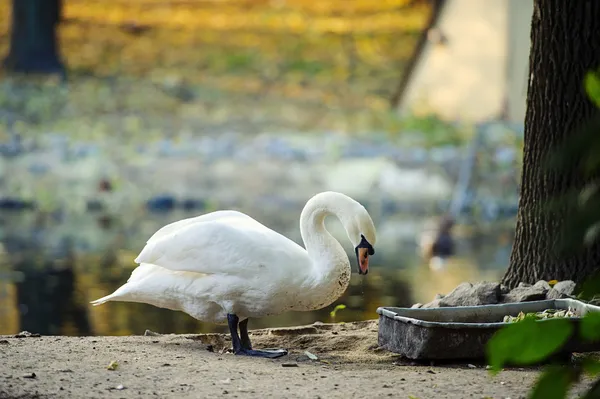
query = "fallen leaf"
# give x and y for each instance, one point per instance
(113, 365)
(336, 309)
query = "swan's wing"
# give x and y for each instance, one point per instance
(218, 215)
(235, 246)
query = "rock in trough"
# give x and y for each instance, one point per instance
(467, 294)
(523, 293)
(486, 293)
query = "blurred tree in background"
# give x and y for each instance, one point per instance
(33, 42)
(565, 45)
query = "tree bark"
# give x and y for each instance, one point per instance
(565, 44)
(33, 41)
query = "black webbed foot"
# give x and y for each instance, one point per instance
(270, 354)
(242, 346)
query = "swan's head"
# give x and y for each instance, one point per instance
(354, 217)
(362, 234)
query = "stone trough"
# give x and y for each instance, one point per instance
(458, 326)
(461, 333)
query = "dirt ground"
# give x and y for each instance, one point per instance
(349, 365)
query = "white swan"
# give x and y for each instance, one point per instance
(226, 266)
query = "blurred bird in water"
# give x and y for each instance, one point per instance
(436, 243)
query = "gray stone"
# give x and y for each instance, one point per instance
(543, 285)
(433, 304)
(504, 289)
(416, 306)
(526, 293)
(467, 294)
(554, 294)
(562, 289)
(565, 287)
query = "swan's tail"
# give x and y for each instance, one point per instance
(105, 299)
(101, 300)
(140, 287)
(123, 293)
(153, 285)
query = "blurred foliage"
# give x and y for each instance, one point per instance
(590, 289)
(530, 341)
(527, 341)
(437, 131)
(195, 64)
(297, 16)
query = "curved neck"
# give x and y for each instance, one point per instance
(327, 254)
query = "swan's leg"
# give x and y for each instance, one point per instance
(245, 338)
(239, 349)
(233, 321)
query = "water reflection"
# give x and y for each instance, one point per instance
(53, 265)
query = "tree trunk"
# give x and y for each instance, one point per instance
(33, 42)
(565, 44)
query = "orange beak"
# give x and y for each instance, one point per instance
(362, 256)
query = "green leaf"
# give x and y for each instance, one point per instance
(591, 366)
(590, 326)
(592, 86)
(113, 365)
(527, 342)
(336, 309)
(554, 383)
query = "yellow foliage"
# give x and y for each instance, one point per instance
(160, 59)
(293, 16)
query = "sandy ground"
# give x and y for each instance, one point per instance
(349, 365)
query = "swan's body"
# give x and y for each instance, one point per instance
(226, 263)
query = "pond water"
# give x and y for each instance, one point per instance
(54, 264)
